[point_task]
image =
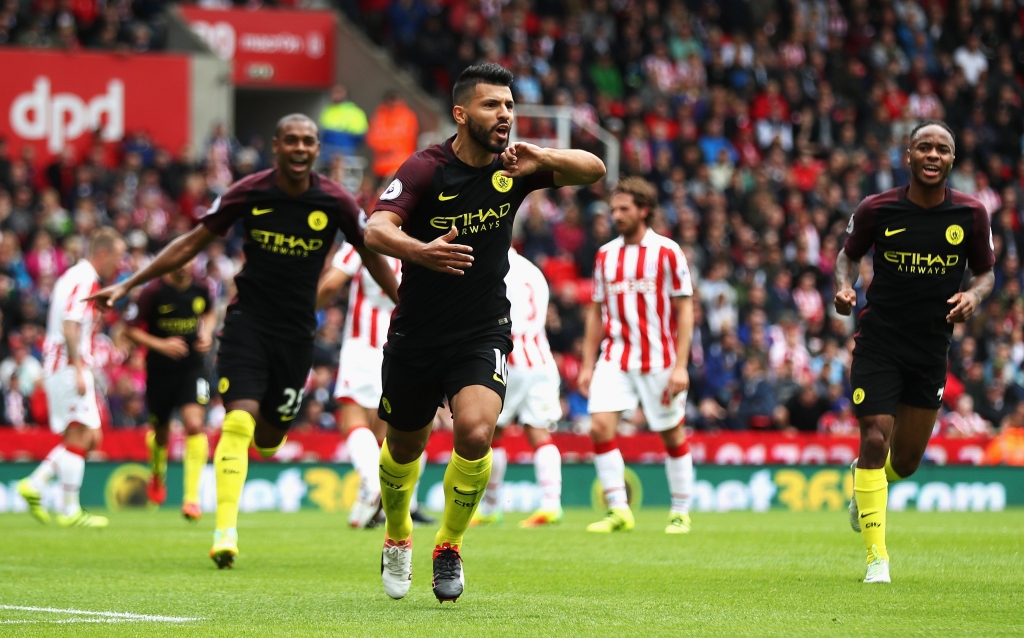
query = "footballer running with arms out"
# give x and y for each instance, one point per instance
(358, 388)
(924, 236)
(642, 319)
(174, 320)
(290, 216)
(70, 385)
(532, 397)
(450, 334)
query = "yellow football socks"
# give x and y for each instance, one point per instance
(267, 452)
(464, 485)
(197, 451)
(157, 455)
(871, 490)
(397, 481)
(890, 474)
(231, 463)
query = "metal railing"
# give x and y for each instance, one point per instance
(562, 115)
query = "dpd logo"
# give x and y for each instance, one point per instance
(61, 117)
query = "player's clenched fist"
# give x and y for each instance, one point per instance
(443, 256)
(521, 159)
(845, 300)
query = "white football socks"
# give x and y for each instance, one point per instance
(71, 469)
(547, 464)
(611, 470)
(680, 481)
(492, 501)
(364, 453)
(47, 470)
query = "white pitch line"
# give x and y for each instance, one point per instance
(65, 621)
(106, 614)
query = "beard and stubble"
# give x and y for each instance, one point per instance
(483, 136)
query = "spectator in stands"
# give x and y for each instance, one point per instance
(1008, 447)
(393, 135)
(16, 410)
(804, 410)
(20, 365)
(964, 421)
(343, 125)
(841, 421)
(756, 401)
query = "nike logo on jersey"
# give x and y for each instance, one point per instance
(890, 233)
(257, 211)
(458, 491)
(164, 309)
(442, 198)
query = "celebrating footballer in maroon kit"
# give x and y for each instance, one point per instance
(450, 335)
(290, 216)
(924, 237)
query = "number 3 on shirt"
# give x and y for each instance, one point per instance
(290, 408)
(500, 367)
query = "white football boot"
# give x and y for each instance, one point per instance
(396, 567)
(878, 568)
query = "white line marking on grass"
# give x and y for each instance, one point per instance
(65, 621)
(121, 616)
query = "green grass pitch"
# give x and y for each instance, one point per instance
(306, 574)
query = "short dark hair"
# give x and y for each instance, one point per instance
(487, 73)
(294, 117)
(643, 192)
(924, 123)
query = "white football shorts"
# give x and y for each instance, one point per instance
(359, 374)
(613, 390)
(532, 395)
(64, 403)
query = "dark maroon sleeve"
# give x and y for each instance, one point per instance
(353, 219)
(138, 317)
(227, 208)
(411, 184)
(860, 236)
(539, 180)
(980, 252)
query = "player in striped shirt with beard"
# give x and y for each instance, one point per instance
(642, 317)
(358, 387)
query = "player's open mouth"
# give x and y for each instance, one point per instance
(931, 171)
(502, 131)
(297, 164)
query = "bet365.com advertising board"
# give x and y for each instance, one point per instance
(332, 487)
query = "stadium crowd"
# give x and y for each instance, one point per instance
(762, 125)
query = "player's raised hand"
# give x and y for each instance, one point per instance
(174, 347)
(107, 297)
(521, 159)
(964, 304)
(443, 256)
(845, 300)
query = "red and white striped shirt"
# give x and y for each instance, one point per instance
(66, 304)
(527, 291)
(635, 285)
(369, 307)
